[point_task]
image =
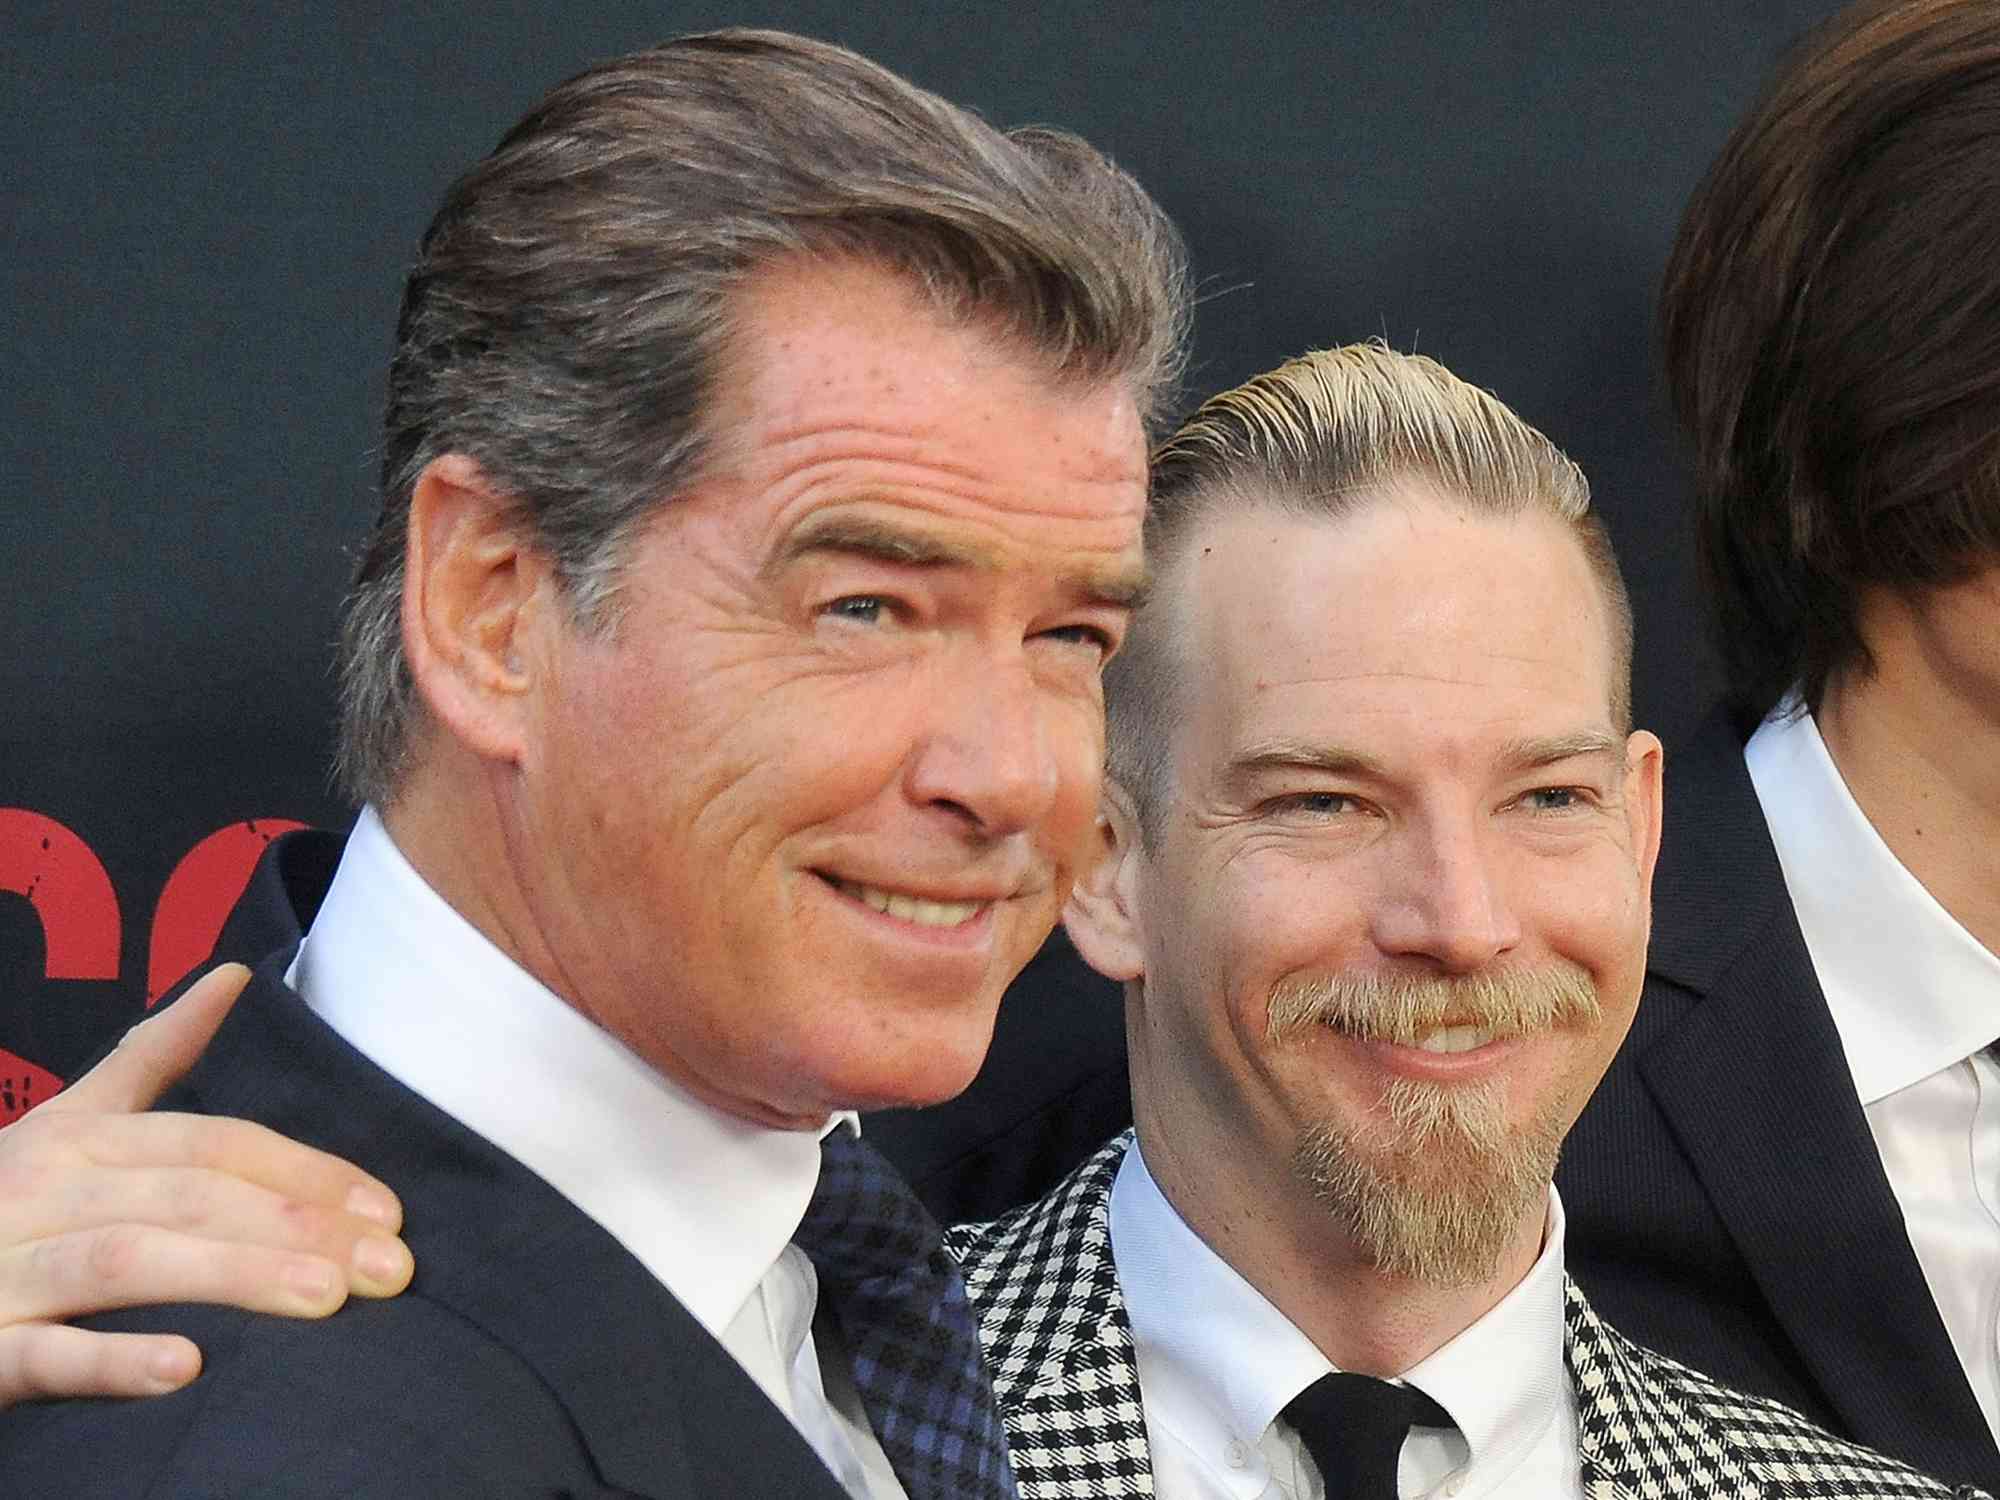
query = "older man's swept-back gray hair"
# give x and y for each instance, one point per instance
(564, 323)
(1319, 436)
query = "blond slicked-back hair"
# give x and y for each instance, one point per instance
(1320, 436)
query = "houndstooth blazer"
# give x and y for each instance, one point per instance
(1057, 1337)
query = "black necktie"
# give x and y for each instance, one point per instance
(911, 1338)
(1354, 1426)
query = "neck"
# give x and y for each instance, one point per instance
(1917, 740)
(1269, 1227)
(445, 821)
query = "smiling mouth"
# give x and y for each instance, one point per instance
(1442, 1039)
(906, 908)
(1455, 1039)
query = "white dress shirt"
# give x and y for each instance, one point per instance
(1916, 1000)
(706, 1202)
(1218, 1363)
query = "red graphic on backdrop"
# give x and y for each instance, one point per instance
(67, 886)
(65, 882)
(197, 898)
(22, 1085)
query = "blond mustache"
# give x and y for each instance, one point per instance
(1380, 1005)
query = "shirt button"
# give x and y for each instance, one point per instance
(1237, 1453)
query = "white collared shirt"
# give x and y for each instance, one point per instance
(1218, 1364)
(706, 1202)
(1916, 1000)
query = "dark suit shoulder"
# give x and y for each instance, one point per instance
(533, 1355)
(1725, 1196)
(393, 1398)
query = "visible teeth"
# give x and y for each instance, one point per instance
(914, 908)
(1455, 1039)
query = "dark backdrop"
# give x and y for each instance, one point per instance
(205, 218)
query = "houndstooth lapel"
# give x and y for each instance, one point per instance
(1635, 1443)
(1652, 1429)
(1056, 1336)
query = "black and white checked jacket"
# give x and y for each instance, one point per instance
(1060, 1346)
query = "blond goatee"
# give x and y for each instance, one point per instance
(1436, 1185)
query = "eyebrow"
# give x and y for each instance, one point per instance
(1282, 755)
(875, 541)
(1524, 754)
(1338, 760)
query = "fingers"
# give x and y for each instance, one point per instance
(156, 1052)
(47, 1359)
(102, 1208)
(104, 1211)
(134, 1265)
(207, 1203)
(54, 1146)
(139, 1265)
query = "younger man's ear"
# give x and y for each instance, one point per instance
(1102, 914)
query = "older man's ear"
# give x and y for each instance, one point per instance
(1102, 912)
(474, 596)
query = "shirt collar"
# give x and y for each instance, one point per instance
(1909, 989)
(1219, 1363)
(707, 1202)
(1504, 1379)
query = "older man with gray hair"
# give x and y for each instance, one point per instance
(763, 478)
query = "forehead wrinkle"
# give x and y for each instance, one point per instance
(780, 436)
(929, 445)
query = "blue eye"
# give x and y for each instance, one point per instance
(1082, 635)
(864, 609)
(1315, 804)
(1555, 798)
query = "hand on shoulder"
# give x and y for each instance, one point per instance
(103, 1205)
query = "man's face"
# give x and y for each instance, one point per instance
(1402, 826)
(804, 816)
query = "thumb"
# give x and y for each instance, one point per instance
(154, 1054)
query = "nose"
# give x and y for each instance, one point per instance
(990, 755)
(1447, 897)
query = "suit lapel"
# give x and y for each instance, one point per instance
(1774, 1160)
(1634, 1443)
(663, 1408)
(1056, 1335)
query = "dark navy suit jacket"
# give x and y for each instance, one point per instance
(1726, 1201)
(532, 1356)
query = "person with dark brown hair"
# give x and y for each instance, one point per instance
(1791, 1177)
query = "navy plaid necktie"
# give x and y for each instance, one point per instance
(1354, 1426)
(911, 1338)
